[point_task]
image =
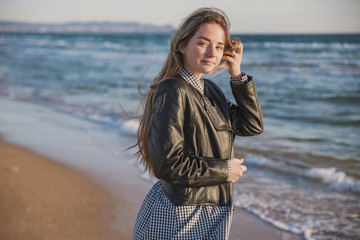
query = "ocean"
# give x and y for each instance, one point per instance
(303, 170)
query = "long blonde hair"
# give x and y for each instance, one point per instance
(173, 65)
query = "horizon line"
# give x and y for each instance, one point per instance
(159, 25)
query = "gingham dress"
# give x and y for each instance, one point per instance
(158, 218)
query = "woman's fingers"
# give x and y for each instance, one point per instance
(240, 160)
(237, 169)
(234, 58)
(229, 55)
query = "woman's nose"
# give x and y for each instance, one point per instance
(211, 51)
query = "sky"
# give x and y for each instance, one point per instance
(246, 16)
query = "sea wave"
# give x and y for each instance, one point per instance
(336, 180)
(130, 127)
(340, 121)
(341, 99)
(311, 45)
(330, 177)
(247, 202)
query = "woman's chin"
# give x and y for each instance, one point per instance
(208, 70)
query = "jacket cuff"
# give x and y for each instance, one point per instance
(229, 168)
(240, 80)
(220, 168)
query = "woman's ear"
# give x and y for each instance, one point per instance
(181, 48)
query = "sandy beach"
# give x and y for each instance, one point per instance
(43, 199)
(58, 181)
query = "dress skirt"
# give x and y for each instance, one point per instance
(158, 218)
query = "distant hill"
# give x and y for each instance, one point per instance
(83, 27)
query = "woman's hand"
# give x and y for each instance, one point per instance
(234, 58)
(237, 169)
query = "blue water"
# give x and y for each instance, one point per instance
(304, 170)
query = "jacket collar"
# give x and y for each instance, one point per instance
(189, 77)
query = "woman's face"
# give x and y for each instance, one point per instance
(204, 50)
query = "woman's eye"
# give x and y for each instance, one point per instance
(202, 43)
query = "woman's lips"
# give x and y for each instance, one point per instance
(208, 62)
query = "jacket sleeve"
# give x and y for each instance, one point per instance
(246, 116)
(166, 144)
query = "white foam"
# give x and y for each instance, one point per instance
(261, 209)
(62, 43)
(108, 44)
(130, 127)
(311, 45)
(286, 211)
(336, 180)
(266, 162)
(99, 118)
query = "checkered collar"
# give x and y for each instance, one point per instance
(192, 80)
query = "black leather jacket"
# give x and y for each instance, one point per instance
(192, 136)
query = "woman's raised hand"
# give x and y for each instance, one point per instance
(234, 58)
(237, 169)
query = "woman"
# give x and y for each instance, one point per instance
(186, 133)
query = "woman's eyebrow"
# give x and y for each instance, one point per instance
(206, 39)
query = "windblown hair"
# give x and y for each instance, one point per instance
(173, 65)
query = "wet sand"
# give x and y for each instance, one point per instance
(41, 198)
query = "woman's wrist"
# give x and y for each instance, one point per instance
(229, 168)
(235, 74)
(240, 79)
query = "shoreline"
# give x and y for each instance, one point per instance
(46, 199)
(58, 169)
